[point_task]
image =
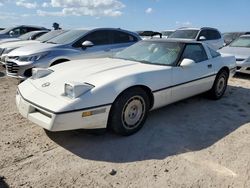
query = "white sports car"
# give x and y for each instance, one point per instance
(119, 92)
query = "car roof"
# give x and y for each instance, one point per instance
(245, 36)
(117, 29)
(30, 26)
(196, 28)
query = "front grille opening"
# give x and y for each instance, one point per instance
(44, 113)
(238, 68)
(12, 67)
(248, 68)
(28, 73)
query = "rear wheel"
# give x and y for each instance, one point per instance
(220, 85)
(129, 112)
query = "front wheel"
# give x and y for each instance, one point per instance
(129, 112)
(220, 85)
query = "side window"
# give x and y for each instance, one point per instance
(121, 37)
(17, 31)
(204, 34)
(23, 30)
(213, 35)
(213, 53)
(31, 29)
(37, 35)
(195, 52)
(98, 37)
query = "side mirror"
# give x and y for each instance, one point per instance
(11, 33)
(187, 63)
(202, 38)
(87, 44)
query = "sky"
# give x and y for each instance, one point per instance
(158, 15)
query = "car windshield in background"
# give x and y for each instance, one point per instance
(161, 53)
(184, 34)
(26, 36)
(50, 35)
(146, 33)
(167, 33)
(68, 37)
(241, 42)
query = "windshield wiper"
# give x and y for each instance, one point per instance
(51, 42)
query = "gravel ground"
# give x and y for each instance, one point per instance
(193, 143)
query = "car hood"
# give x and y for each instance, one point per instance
(97, 72)
(33, 49)
(16, 44)
(9, 40)
(238, 52)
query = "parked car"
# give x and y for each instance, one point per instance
(10, 46)
(149, 34)
(75, 44)
(240, 48)
(18, 31)
(231, 36)
(167, 33)
(211, 36)
(27, 36)
(119, 92)
(33, 35)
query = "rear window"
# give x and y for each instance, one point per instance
(121, 37)
(184, 34)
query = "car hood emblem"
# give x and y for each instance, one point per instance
(46, 84)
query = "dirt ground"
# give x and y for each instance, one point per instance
(193, 143)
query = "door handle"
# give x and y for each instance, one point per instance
(107, 50)
(210, 66)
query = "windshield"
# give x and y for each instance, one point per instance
(7, 30)
(26, 36)
(68, 37)
(241, 42)
(229, 37)
(145, 33)
(184, 34)
(50, 35)
(151, 52)
(167, 33)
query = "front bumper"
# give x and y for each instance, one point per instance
(243, 67)
(18, 71)
(94, 118)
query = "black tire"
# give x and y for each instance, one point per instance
(129, 112)
(219, 86)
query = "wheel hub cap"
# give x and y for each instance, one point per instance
(133, 112)
(220, 86)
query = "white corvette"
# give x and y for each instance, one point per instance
(119, 92)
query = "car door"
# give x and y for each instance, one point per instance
(102, 45)
(193, 79)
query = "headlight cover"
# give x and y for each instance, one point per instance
(40, 72)
(74, 89)
(34, 57)
(248, 60)
(8, 50)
